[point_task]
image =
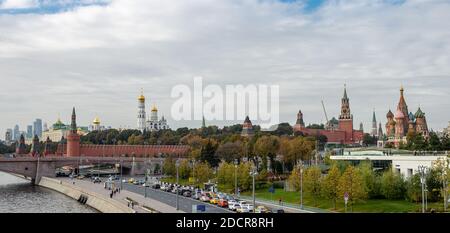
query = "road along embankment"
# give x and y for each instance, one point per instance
(97, 201)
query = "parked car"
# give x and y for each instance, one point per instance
(80, 177)
(156, 186)
(262, 209)
(96, 180)
(187, 193)
(223, 203)
(204, 198)
(197, 196)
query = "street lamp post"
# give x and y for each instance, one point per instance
(193, 171)
(145, 184)
(422, 171)
(121, 181)
(177, 164)
(301, 184)
(235, 177)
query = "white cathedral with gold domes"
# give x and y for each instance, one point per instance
(153, 123)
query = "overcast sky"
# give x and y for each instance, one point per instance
(97, 55)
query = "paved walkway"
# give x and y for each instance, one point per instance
(121, 197)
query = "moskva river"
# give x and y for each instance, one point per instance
(20, 196)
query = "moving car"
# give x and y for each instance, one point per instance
(223, 203)
(204, 198)
(233, 206)
(156, 186)
(279, 211)
(80, 177)
(131, 180)
(243, 209)
(214, 201)
(262, 209)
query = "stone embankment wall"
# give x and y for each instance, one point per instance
(97, 201)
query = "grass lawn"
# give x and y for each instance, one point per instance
(368, 206)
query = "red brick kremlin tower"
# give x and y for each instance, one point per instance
(346, 118)
(343, 134)
(73, 139)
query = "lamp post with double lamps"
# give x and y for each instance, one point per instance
(177, 164)
(301, 184)
(422, 173)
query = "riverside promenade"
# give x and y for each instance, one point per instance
(123, 197)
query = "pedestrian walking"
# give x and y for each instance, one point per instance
(279, 201)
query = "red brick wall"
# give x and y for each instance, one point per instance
(137, 150)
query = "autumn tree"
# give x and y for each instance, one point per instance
(330, 184)
(352, 183)
(230, 151)
(312, 182)
(266, 147)
(203, 172)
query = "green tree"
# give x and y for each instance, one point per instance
(312, 182)
(414, 188)
(434, 142)
(369, 140)
(208, 154)
(283, 129)
(392, 185)
(372, 181)
(352, 183)
(330, 185)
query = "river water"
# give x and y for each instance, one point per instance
(19, 196)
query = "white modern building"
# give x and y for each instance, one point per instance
(404, 162)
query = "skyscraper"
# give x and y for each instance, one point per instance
(29, 131)
(16, 133)
(37, 127)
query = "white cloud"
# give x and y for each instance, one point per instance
(17, 4)
(98, 57)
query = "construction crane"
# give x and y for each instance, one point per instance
(325, 111)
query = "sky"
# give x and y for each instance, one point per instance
(97, 55)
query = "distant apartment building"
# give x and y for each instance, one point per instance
(8, 135)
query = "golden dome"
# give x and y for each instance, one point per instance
(96, 121)
(154, 109)
(141, 98)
